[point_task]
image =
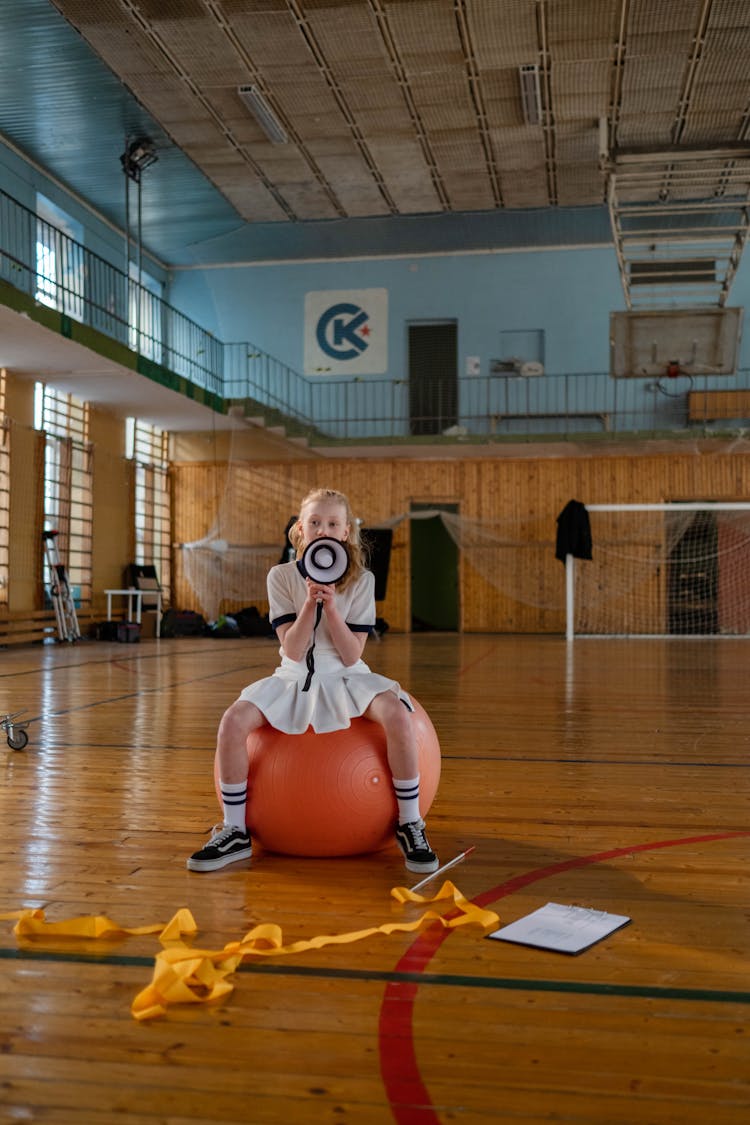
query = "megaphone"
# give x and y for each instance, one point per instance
(325, 560)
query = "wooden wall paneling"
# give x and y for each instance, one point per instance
(25, 590)
(113, 531)
(527, 493)
(708, 406)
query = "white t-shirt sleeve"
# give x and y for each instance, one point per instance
(361, 612)
(281, 607)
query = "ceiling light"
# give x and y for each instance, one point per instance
(263, 114)
(138, 156)
(531, 98)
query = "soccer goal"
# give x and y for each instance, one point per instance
(662, 570)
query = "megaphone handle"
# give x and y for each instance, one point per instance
(309, 658)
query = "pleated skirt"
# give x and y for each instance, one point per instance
(337, 693)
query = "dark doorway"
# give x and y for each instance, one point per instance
(434, 572)
(378, 542)
(433, 377)
(693, 578)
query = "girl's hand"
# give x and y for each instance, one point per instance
(320, 592)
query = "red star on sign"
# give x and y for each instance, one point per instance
(364, 330)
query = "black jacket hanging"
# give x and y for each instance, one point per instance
(573, 532)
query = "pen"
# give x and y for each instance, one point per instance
(440, 870)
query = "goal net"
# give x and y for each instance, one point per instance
(679, 569)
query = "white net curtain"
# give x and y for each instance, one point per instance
(230, 562)
(652, 572)
(675, 572)
(221, 569)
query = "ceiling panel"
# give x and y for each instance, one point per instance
(392, 107)
(503, 35)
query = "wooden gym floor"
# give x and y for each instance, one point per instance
(609, 774)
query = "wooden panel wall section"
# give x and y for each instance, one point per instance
(256, 499)
(25, 589)
(710, 406)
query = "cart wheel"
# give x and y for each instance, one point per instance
(18, 740)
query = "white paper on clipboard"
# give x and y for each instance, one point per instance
(564, 929)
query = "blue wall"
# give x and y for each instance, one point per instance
(566, 293)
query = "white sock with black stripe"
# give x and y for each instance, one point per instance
(407, 795)
(234, 800)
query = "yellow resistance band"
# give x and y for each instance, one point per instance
(185, 975)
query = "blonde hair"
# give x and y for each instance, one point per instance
(353, 544)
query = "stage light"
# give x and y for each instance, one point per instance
(139, 155)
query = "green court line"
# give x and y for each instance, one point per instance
(513, 984)
(499, 984)
(74, 958)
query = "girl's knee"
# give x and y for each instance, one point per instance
(391, 713)
(241, 717)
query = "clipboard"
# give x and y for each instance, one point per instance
(560, 928)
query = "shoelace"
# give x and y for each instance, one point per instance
(418, 838)
(222, 832)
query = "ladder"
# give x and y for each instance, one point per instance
(62, 600)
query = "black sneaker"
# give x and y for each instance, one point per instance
(227, 845)
(413, 842)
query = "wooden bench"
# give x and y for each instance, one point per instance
(712, 406)
(30, 626)
(600, 415)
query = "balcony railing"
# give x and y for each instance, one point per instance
(54, 269)
(57, 271)
(490, 407)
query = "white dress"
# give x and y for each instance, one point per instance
(321, 691)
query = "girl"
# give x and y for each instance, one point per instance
(321, 682)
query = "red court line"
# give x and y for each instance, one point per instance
(477, 660)
(408, 1097)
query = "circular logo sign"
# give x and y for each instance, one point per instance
(343, 330)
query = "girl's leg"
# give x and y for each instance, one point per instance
(403, 760)
(396, 720)
(231, 840)
(238, 721)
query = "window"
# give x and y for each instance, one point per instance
(144, 314)
(59, 259)
(149, 448)
(521, 352)
(68, 499)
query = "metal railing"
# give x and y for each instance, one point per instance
(491, 407)
(50, 266)
(55, 270)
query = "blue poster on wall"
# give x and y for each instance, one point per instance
(346, 332)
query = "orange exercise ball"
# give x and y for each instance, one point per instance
(331, 794)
